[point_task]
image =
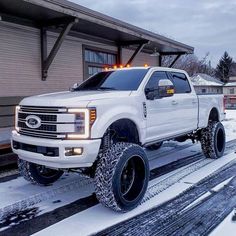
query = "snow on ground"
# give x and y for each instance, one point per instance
(230, 124)
(226, 228)
(19, 189)
(21, 194)
(98, 218)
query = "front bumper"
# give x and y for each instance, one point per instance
(86, 159)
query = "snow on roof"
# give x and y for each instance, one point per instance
(205, 80)
(231, 84)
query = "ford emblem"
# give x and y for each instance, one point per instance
(33, 122)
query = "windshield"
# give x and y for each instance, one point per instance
(114, 80)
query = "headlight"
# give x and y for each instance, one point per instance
(84, 118)
(16, 118)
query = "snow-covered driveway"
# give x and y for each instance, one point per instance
(181, 181)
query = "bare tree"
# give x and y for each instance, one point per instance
(191, 64)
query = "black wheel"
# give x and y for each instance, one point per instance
(121, 177)
(154, 146)
(38, 174)
(213, 140)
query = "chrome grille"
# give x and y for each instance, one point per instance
(49, 122)
(43, 109)
(43, 127)
(44, 118)
(42, 135)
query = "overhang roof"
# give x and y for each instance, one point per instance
(230, 84)
(92, 23)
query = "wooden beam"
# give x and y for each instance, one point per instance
(119, 55)
(136, 52)
(47, 60)
(173, 62)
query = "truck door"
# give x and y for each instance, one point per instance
(161, 113)
(186, 103)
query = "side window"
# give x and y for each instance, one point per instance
(152, 84)
(154, 79)
(180, 82)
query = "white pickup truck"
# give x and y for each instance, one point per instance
(102, 127)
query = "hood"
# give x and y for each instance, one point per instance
(71, 99)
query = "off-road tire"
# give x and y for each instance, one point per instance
(213, 140)
(154, 146)
(30, 173)
(109, 172)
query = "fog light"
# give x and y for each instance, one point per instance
(73, 151)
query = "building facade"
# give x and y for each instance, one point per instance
(48, 45)
(230, 89)
(205, 84)
(230, 95)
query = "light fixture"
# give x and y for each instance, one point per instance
(17, 108)
(82, 123)
(155, 53)
(74, 151)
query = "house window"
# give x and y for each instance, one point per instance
(93, 70)
(231, 91)
(96, 60)
(99, 57)
(204, 90)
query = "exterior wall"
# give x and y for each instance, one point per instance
(229, 90)
(20, 61)
(230, 98)
(232, 79)
(208, 89)
(140, 60)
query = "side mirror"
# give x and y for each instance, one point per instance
(151, 93)
(165, 88)
(74, 87)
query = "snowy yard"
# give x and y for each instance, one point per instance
(190, 185)
(230, 124)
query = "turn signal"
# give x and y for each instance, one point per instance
(93, 115)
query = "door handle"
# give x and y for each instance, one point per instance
(174, 103)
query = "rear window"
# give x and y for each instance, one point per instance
(181, 83)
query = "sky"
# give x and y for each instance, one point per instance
(207, 25)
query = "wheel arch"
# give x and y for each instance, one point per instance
(214, 115)
(125, 128)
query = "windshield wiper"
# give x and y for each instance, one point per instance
(107, 88)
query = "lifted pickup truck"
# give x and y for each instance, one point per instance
(102, 126)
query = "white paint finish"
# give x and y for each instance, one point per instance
(86, 159)
(160, 118)
(164, 120)
(206, 103)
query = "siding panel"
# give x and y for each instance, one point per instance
(20, 65)
(140, 60)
